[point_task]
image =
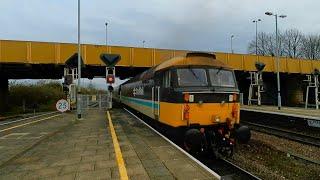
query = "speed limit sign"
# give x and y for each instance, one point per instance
(62, 105)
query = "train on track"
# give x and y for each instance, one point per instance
(193, 98)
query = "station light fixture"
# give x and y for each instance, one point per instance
(256, 22)
(277, 55)
(268, 13)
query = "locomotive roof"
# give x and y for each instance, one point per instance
(193, 58)
(190, 59)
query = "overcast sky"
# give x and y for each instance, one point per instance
(180, 24)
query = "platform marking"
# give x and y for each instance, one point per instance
(120, 161)
(29, 123)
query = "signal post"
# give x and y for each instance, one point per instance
(110, 60)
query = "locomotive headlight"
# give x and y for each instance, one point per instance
(217, 119)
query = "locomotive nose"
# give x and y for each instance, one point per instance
(243, 134)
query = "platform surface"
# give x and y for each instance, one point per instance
(285, 110)
(85, 150)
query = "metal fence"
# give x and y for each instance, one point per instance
(96, 101)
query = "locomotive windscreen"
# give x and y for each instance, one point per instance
(201, 77)
(222, 78)
(192, 77)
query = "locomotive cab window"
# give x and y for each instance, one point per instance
(192, 77)
(222, 78)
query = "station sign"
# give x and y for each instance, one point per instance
(62, 105)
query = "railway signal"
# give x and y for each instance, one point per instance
(313, 83)
(110, 60)
(256, 84)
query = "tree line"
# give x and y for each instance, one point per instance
(292, 43)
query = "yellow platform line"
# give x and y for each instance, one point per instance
(120, 161)
(20, 125)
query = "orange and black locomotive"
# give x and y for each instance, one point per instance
(194, 98)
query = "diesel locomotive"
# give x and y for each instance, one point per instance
(193, 98)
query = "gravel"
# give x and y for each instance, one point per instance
(266, 156)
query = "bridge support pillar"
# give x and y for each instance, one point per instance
(4, 89)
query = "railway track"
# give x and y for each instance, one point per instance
(227, 169)
(220, 168)
(283, 133)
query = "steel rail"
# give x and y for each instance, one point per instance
(295, 136)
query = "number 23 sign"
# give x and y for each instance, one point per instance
(62, 105)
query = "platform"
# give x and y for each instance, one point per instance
(286, 111)
(99, 147)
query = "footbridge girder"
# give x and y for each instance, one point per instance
(28, 53)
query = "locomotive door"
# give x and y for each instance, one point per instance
(156, 101)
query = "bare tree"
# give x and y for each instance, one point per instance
(311, 47)
(292, 43)
(263, 45)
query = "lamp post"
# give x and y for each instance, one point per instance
(256, 22)
(106, 33)
(277, 55)
(231, 38)
(79, 67)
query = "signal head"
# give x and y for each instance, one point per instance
(260, 66)
(110, 79)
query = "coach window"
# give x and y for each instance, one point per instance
(166, 79)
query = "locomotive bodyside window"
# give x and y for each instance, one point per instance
(222, 78)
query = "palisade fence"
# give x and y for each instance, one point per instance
(96, 101)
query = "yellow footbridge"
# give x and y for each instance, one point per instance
(28, 52)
